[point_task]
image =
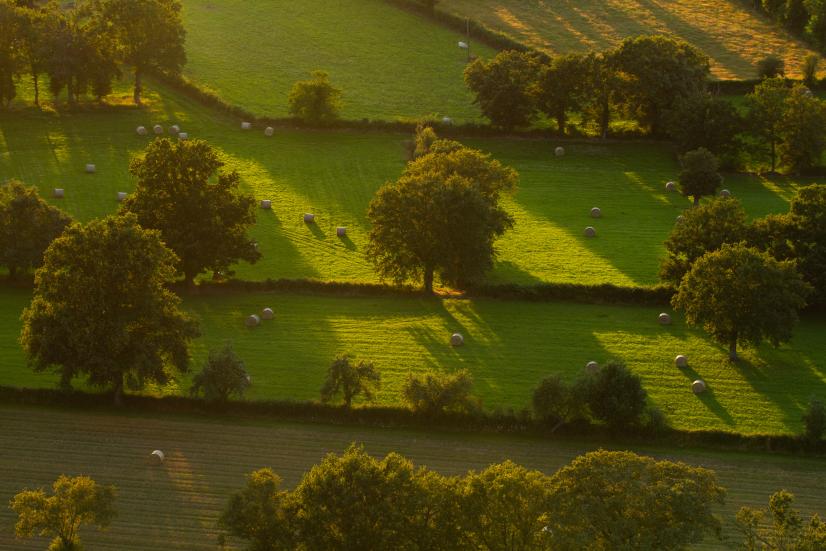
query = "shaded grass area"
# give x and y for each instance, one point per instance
(176, 506)
(389, 63)
(510, 347)
(731, 35)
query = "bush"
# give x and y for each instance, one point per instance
(814, 420)
(553, 401)
(222, 377)
(614, 395)
(438, 393)
(771, 66)
(315, 101)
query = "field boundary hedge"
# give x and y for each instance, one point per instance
(397, 417)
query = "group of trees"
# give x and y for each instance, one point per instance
(802, 17)
(80, 47)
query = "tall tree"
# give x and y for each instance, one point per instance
(222, 376)
(350, 379)
(766, 111)
(802, 130)
(10, 51)
(503, 87)
(742, 296)
(204, 222)
(101, 308)
(149, 34)
(35, 47)
(700, 176)
(28, 224)
(558, 87)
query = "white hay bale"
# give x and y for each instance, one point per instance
(269, 131)
(456, 339)
(341, 231)
(592, 367)
(121, 196)
(725, 193)
(91, 169)
(664, 319)
(309, 218)
(590, 232)
(253, 321)
(157, 457)
(183, 136)
(266, 204)
(58, 193)
(698, 386)
(681, 361)
(670, 186)
(141, 130)
(157, 129)
(174, 129)
(559, 151)
(246, 125)
(596, 212)
(447, 120)
(267, 314)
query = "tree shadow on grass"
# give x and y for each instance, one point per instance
(707, 397)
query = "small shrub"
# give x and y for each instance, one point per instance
(350, 380)
(614, 395)
(223, 376)
(814, 420)
(435, 393)
(315, 101)
(771, 66)
(809, 69)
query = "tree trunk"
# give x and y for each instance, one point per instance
(138, 86)
(605, 119)
(732, 350)
(36, 82)
(774, 155)
(118, 387)
(560, 122)
(13, 273)
(428, 279)
(696, 200)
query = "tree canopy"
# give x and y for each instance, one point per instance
(699, 176)
(315, 100)
(503, 87)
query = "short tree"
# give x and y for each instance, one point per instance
(436, 393)
(809, 69)
(28, 224)
(260, 514)
(766, 110)
(558, 87)
(74, 502)
(204, 222)
(223, 376)
(350, 379)
(703, 229)
(802, 130)
(554, 402)
(742, 296)
(315, 101)
(771, 66)
(614, 395)
(101, 308)
(700, 176)
(632, 502)
(814, 420)
(785, 530)
(503, 87)
(423, 140)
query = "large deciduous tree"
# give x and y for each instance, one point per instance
(204, 222)
(503, 87)
(802, 130)
(740, 295)
(766, 111)
(699, 176)
(28, 224)
(706, 121)
(101, 308)
(35, 45)
(559, 86)
(148, 34)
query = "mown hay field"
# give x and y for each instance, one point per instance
(389, 63)
(731, 34)
(335, 174)
(510, 346)
(176, 505)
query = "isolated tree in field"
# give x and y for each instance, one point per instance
(742, 296)
(204, 220)
(699, 176)
(503, 87)
(222, 377)
(706, 121)
(148, 34)
(614, 395)
(766, 110)
(435, 393)
(621, 500)
(316, 100)
(802, 130)
(73, 503)
(101, 308)
(783, 530)
(771, 66)
(559, 85)
(703, 229)
(350, 379)
(28, 224)
(657, 71)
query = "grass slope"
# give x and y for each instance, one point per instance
(389, 63)
(510, 346)
(335, 175)
(729, 33)
(177, 505)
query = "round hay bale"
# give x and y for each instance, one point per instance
(664, 319)
(592, 367)
(267, 314)
(681, 361)
(559, 151)
(174, 129)
(91, 169)
(183, 136)
(596, 212)
(670, 186)
(121, 196)
(269, 131)
(58, 193)
(456, 339)
(266, 204)
(725, 193)
(141, 130)
(590, 232)
(246, 125)
(341, 231)
(157, 457)
(157, 129)
(253, 321)
(447, 120)
(698, 386)
(309, 218)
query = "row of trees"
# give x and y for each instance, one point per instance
(81, 47)
(803, 17)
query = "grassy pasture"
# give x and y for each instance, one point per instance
(510, 346)
(389, 63)
(176, 506)
(733, 36)
(335, 174)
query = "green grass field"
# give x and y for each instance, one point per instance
(335, 174)
(176, 506)
(389, 63)
(733, 36)
(510, 346)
